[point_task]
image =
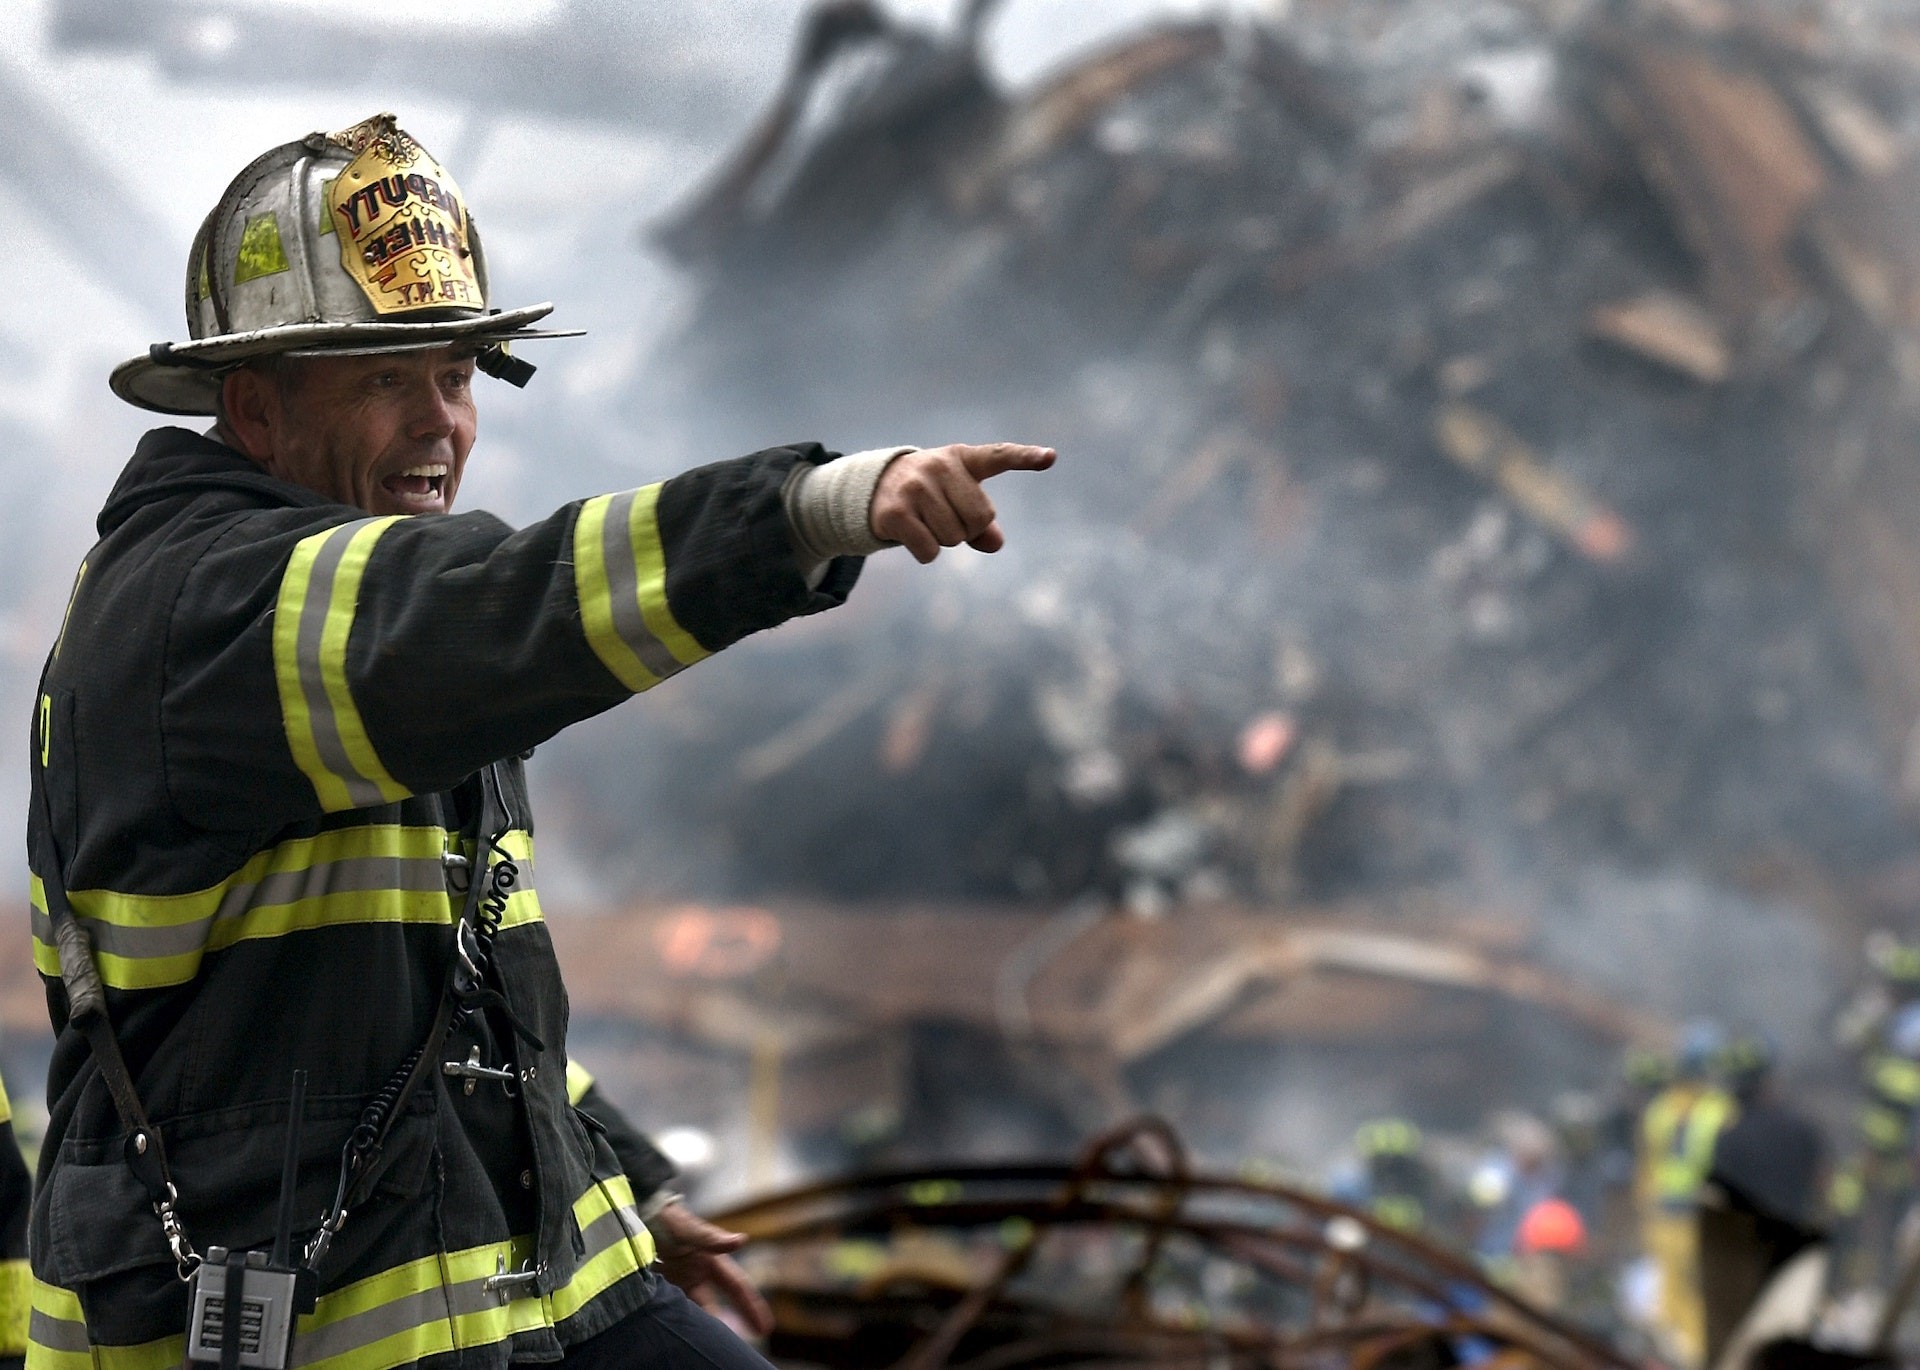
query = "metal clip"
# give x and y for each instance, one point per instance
(503, 1282)
(466, 945)
(458, 870)
(323, 1239)
(185, 1259)
(472, 1071)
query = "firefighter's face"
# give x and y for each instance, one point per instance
(388, 433)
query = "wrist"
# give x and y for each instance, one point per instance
(829, 508)
(659, 1201)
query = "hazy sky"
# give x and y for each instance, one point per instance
(171, 146)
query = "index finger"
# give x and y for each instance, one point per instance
(747, 1300)
(990, 459)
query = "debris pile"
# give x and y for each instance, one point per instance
(1124, 1259)
(1064, 1021)
(1485, 433)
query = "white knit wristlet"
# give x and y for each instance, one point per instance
(829, 507)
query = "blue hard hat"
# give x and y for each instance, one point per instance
(1701, 1043)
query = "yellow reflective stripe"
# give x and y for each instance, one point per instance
(16, 1306)
(1898, 1079)
(1682, 1130)
(579, 1081)
(73, 597)
(596, 599)
(57, 1339)
(426, 1307)
(6, 1104)
(379, 873)
(437, 1304)
(313, 619)
(650, 557)
(431, 1306)
(620, 579)
(523, 905)
(1884, 1128)
(618, 1244)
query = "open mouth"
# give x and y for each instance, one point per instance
(422, 486)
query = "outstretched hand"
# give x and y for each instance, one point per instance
(697, 1256)
(933, 498)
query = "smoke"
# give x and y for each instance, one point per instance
(1256, 518)
(1252, 519)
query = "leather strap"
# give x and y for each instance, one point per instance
(146, 1151)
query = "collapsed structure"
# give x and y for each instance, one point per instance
(1490, 430)
(1486, 447)
(1493, 407)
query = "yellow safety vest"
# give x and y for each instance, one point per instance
(1678, 1133)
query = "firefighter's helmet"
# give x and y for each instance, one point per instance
(350, 242)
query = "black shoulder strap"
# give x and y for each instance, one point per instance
(87, 1006)
(146, 1152)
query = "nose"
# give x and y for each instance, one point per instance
(431, 416)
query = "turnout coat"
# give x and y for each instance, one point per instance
(255, 733)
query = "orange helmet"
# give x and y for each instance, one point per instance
(1552, 1225)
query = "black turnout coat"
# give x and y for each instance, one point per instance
(253, 733)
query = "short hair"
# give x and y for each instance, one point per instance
(274, 364)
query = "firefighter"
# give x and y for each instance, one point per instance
(1872, 1195)
(16, 1280)
(311, 1057)
(1678, 1133)
(1396, 1183)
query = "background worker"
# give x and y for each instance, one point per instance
(1394, 1181)
(1873, 1194)
(1677, 1137)
(16, 1279)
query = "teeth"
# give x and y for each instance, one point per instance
(429, 470)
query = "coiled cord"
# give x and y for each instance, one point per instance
(470, 992)
(374, 1116)
(501, 878)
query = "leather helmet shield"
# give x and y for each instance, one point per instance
(356, 241)
(401, 224)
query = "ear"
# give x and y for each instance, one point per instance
(251, 403)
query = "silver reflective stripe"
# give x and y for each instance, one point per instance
(57, 1334)
(363, 1329)
(623, 588)
(610, 1229)
(363, 792)
(349, 875)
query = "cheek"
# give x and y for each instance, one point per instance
(466, 428)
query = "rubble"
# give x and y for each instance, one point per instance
(1126, 1258)
(1537, 372)
(1669, 329)
(1073, 1017)
(1486, 439)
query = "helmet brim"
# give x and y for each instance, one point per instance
(184, 378)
